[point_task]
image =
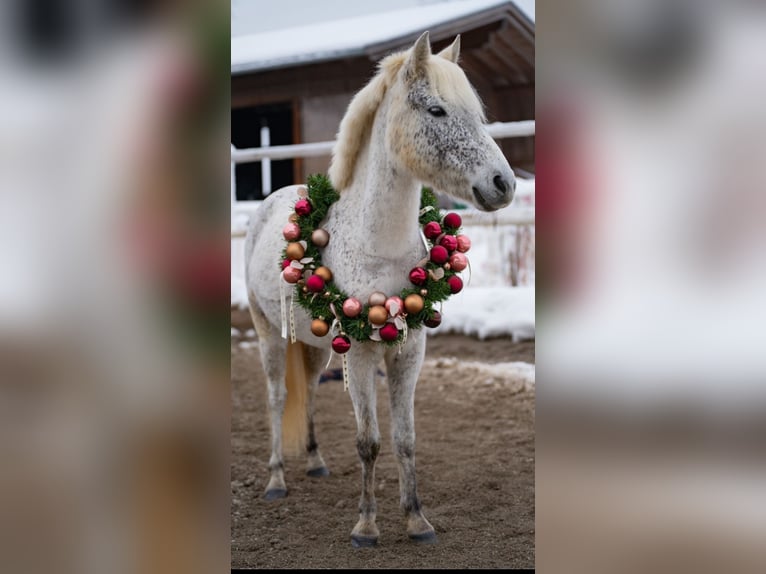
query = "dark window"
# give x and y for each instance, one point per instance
(246, 126)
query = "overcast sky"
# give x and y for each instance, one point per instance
(249, 16)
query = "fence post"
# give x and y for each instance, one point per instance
(265, 162)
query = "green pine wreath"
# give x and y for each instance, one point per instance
(321, 196)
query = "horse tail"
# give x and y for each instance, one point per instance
(295, 417)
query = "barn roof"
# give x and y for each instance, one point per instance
(372, 35)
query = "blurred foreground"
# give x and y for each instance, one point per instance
(651, 275)
(114, 214)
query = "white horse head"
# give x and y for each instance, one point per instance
(435, 128)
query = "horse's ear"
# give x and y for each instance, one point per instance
(417, 60)
(451, 52)
(353, 127)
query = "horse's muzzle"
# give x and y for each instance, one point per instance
(499, 195)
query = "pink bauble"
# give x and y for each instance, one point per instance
(452, 220)
(439, 254)
(389, 332)
(434, 320)
(320, 237)
(341, 344)
(449, 242)
(432, 230)
(292, 274)
(463, 243)
(352, 307)
(455, 284)
(303, 207)
(390, 302)
(315, 284)
(418, 276)
(291, 231)
(458, 262)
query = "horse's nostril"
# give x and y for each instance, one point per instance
(501, 184)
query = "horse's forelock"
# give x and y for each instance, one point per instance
(450, 82)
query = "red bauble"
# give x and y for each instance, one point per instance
(389, 332)
(315, 284)
(432, 230)
(341, 344)
(434, 320)
(439, 254)
(463, 243)
(285, 263)
(449, 242)
(418, 276)
(455, 284)
(452, 220)
(303, 207)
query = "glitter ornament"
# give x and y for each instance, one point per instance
(432, 230)
(324, 273)
(377, 315)
(341, 344)
(303, 207)
(455, 284)
(291, 274)
(320, 237)
(413, 303)
(315, 284)
(319, 327)
(389, 332)
(352, 307)
(458, 262)
(295, 251)
(418, 276)
(439, 254)
(452, 220)
(377, 298)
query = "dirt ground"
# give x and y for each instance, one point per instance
(475, 460)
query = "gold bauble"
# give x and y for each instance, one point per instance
(324, 273)
(413, 303)
(295, 251)
(319, 328)
(377, 315)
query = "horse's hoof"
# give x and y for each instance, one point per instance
(275, 494)
(363, 541)
(428, 537)
(318, 472)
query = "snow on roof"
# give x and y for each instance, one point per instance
(350, 36)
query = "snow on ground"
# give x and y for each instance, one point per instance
(512, 373)
(490, 312)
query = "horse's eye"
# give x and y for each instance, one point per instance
(437, 111)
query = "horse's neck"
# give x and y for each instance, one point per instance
(385, 198)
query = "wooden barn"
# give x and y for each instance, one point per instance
(297, 82)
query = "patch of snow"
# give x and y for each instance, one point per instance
(515, 372)
(490, 312)
(235, 332)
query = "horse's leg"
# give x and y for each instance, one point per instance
(316, 360)
(403, 370)
(273, 352)
(362, 365)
